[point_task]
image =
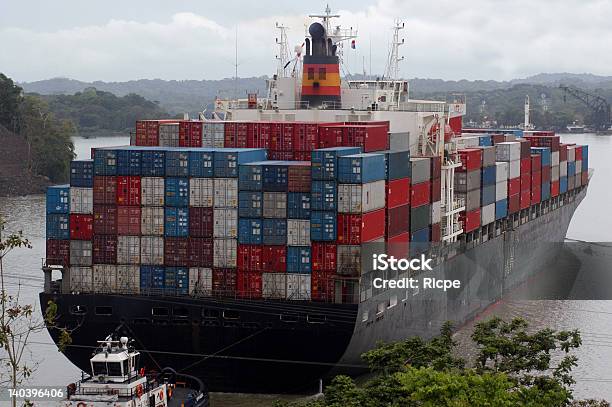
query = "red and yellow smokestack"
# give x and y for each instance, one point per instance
(321, 70)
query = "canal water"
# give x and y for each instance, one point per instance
(591, 222)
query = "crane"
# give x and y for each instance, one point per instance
(599, 106)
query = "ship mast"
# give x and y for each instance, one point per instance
(394, 58)
(283, 50)
(527, 124)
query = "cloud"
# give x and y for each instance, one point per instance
(479, 39)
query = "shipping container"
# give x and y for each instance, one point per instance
(369, 137)
(225, 192)
(81, 173)
(324, 162)
(488, 175)
(105, 190)
(275, 176)
(420, 217)
(80, 253)
(250, 231)
(250, 204)
(508, 151)
(249, 284)
(323, 226)
(349, 260)
(176, 222)
(501, 171)
(526, 181)
(525, 199)
(224, 252)
(398, 192)
(275, 205)
(398, 220)
(545, 153)
(467, 181)
(536, 163)
(305, 136)
(298, 287)
(152, 279)
(225, 223)
(152, 250)
(227, 160)
(274, 259)
(81, 226)
(129, 161)
(105, 161)
(104, 249)
(514, 203)
(201, 192)
(200, 281)
(322, 285)
(299, 259)
(81, 200)
(543, 140)
(397, 164)
(250, 176)
(487, 214)
(168, 134)
(177, 192)
(420, 194)
(536, 193)
(176, 251)
(471, 159)
(470, 199)
(201, 163)
(58, 252)
(200, 251)
(191, 133)
(514, 186)
(129, 220)
(470, 219)
(105, 220)
(324, 196)
(274, 285)
(128, 249)
(298, 205)
(128, 190)
(250, 257)
(419, 241)
(488, 156)
(299, 178)
(58, 199)
(501, 209)
(152, 220)
(436, 212)
(501, 190)
(563, 184)
(487, 195)
(153, 163)
(81, 279)
(324, 256)
(514, 169)
(330, 135)
(359, 198)
(554, 188)
(298, 232)
(128, 279)
(361, 168)
(571, 182)
(152, 191)
(104, 278)
(177, 162)
(545, 190)
(274, 232)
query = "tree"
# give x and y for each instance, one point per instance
(10, 99)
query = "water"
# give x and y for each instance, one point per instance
(593, 318)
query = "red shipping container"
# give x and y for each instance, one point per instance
(200, 252)
(184, 133)
(201, 222)
(436, 166)
(514, 203)
(274, 259)
(306, 138)
(368, 137)
(330, 136)
(302, 155)
(546, 173)
(471, 220)
(105, 190)
(249, 284)
(420, 194)
(242, 134)
(195, 134)
(514, 186)
(436, 190)
(224, 282)
(543, 140)
(525, 148)
(128, 190)
(128, 220)
(384, 123)
(435, 234)
(584, 177)
(81, 226)
(398, 192)
(554, 188)
(536, 163)
(141, 133)
(399, 246)
(540, 133)
(323, 256)
(261, 135)
(323, 285)
(536, 178)
(471, 159)
(58, 252)
(562, 152)
(578, 153)
(536, 193)
(526, 181)
(104, 249)
(361, 228)
(280, 155)
(147, 133)
(176, 251)
(250, 257)
(497, 138)
(525, 199)
(398, 220)
(525, 165)
(229, 139)
(298, 178)
(105, 219)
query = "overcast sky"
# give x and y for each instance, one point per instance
(116, 40)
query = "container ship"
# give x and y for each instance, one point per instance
(237, 249)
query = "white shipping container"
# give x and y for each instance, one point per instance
(128, 249)
(487, 214)
(104, 278)
(81, 200)
(563, 169)
(501, 190)
(360, 198)
(571, 153)
(298, 287)
(201, 192)
(200, 281)
(212, 133)
(578, 166)
(152, 250)
(226, 192)
(436, 212)
(169, 135)
(152, 191)
(467, 141)
(152, 220)
(298, 232)
(224, 252)
(274, 285)
(128, 279)
(274, 205)
(225, 222)
(514, 169)
(501, 171)
(219, 140)
(81, 279)
(80, 253)
(508, 151)
(554, 173)
(349, 260)
(554, 158)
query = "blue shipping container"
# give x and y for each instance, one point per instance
(324, 161)
(201, 163)
(58, 199)
(361, 168)
(487, 195)
(153, 163)
(397, 164)
(58, 226)
(298, 259)
(129, 161)
(545, 190)
(176, 222)
(585, 158)
(488, 175)
(249, 231)
(275, 177)
(485, 140)
(419, 241)
(105, 162)
(177, 162)
(545, 153)
(177, 192)
(298, 205)
(501, 209)
(250, 204)
(250, 176)
(324, 195)
(275, 231)
(562, 184)
(323, 226)
(176, 280)
(227, 160)
(571, 168)
(81, 173)
(152, 278)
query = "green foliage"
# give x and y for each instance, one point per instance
(10, 99)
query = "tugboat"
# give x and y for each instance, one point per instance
(116, 380)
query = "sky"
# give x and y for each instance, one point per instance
(115, 40)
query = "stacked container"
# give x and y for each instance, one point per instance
(398, 180)
(510, 152)
(468, 187)
(488, 181)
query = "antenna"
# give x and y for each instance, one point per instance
(283, 50)
(236, 66)
(394, 58)
(527, 125)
